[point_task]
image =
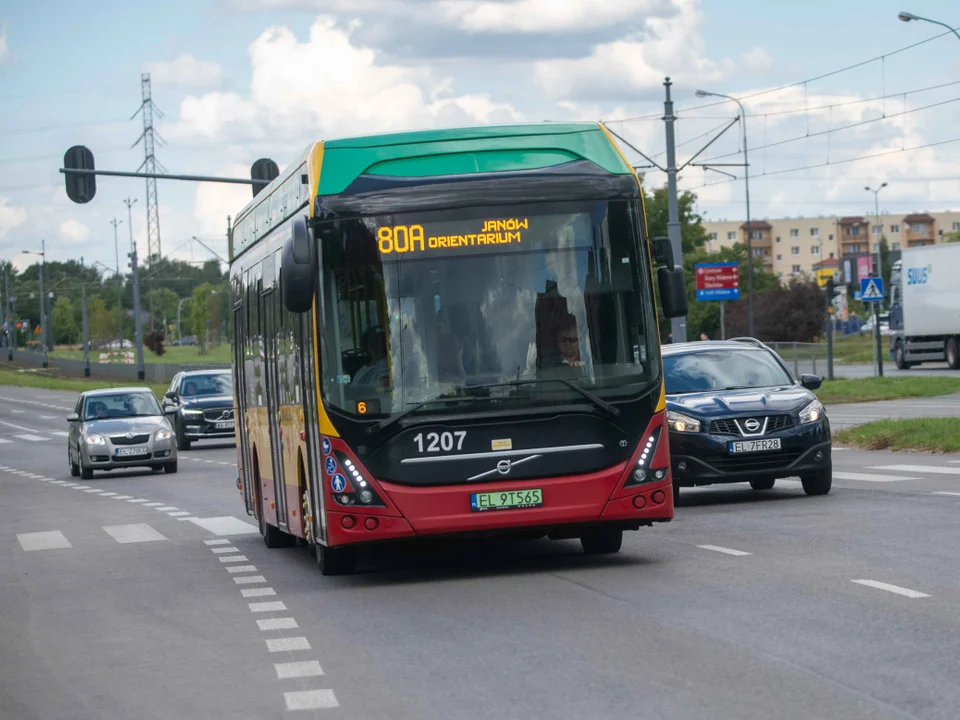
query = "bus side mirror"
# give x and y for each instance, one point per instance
(298, 266)
(662, 251)
(673, 292)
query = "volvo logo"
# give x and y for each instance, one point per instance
(226, 414)
(503, 467)
(751, 424)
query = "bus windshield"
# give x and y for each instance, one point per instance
(478, 305)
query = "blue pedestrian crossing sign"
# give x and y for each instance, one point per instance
(871, 289)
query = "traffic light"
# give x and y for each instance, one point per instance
(263, 169)
(80, 188)
(832, 291)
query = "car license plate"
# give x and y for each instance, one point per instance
(507, 500)
(227, 425)
(130, 451)
(746, 446)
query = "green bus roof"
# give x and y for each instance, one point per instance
(466, 150)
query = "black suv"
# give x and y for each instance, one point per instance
(200, 406)
(737, 414)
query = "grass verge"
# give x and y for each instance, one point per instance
(47, 381)
(187, 355)
(850, 349)
(940, 435)
(885, 388)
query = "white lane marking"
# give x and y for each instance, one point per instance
(106, 494)
(137, 532)
(218, 541)
(242, 568)
(122, 497)
(94, 490)
(933, 469)
(234, 558)
(222, 550)
(61, 482)
(137, 500)
(228, 525)
(310, 699)
(4, 441)
(865, 477)
(287, 644)
(59, 433)
(301, 669)
(48, 417)
(31, 437)
(274, 606)
(68, 484)
(81, 487)
(154, 505)
(178, 513)
(287, 623)
(944, 492)
(16, 412)
(258, 592)
(249, 579)
(165, 508)
(906, 592)
(191, 517)
(18, 427)
(52, 540)
(724, 550)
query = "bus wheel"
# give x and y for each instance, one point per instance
(336, 561)
(601, 541)
(273, 537)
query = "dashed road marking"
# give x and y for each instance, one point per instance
(137, 500)
(60, 433)
(234, 558)
(274, 606)
(865, 477)
(249, 579)
(81, 487)
(50, 540)
(154, 504)
(178, 513)
(724, 550)
(227, 525)
(242, 568)
(106, 494)
(310, 699)
(944, 492)
(4, 441)
(258, 592)
(288, 644)
(122, 497)
(71, 484)
(30, 437)
(222, 550)
(48, 417)
(301, 669)
(166, 508)
(287, 623)
(906, 592)
(18, 427)
(94, 490)
(63, 482)
(137, 532)
(932, 469)
(217, 541)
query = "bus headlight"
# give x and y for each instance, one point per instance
(678, 422)
(811, 413)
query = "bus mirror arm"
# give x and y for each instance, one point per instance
(673, 292)
(298, 267)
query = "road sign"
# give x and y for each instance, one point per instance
(856, 295)
(718, 281)
(871, 289)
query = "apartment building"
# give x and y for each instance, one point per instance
(790, 246)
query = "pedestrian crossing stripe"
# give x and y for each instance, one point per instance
(871, 292)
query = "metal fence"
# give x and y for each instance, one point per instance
(153, 372)
(803, 357)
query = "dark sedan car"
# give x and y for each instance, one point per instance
(200, 406)
(737, 414)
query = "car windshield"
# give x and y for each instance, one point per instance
(722, 369)
(469, 304)
(121, 405)
(206, 385)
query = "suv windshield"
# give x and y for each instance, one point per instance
(722, 369)
(121, 405)
(204, 385)
(433, 305)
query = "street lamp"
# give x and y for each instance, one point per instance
(43, 299)
(876, 211)
(907, 17)
(179, 329)
(746, 185)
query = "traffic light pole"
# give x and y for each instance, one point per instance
(137, 320)
(85, 323)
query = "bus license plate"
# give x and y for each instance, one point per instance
(746, 446)
(225, 425)
(507, 500)
(130, 451)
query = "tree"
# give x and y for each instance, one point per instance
(154, 342)
(791, 312)
(200, 314)
(99, 319)
(952, 237)
(692, 234)
(64, 318)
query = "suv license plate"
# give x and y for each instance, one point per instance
(226, 425)
(746, 446)
(130, 451)
(507, 500)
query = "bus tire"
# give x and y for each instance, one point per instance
(819, 483)
(601, 541)
(336, 561)
(763, 483)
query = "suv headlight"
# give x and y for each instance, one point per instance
(164, 435)
(192, 412)
(95, 440)
(678, 422)
(811, 413)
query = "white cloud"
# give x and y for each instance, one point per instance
(4, 45)
(622, 68)
(544, 16)
(186, 71)
(324, 87)
(74, 231)
(11, 217)
(757, 60)
(213, 202)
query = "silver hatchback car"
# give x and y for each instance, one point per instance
(119, 428)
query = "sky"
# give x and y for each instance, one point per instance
(237, 80)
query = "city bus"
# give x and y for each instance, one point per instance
(451, 333)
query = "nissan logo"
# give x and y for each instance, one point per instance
(752, 425)
(503, 467)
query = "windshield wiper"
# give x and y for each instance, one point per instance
(388, 421)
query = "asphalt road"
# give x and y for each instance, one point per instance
(751, 604)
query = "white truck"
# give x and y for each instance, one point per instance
(925, 306)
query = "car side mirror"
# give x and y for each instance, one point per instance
(170, 395)
(73, 417)
(673, 292)
(811, 382)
